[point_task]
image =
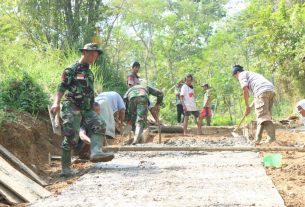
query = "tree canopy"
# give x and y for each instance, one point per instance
(169, 38)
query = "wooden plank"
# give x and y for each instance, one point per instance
(9, 195)
(21, 185)
(55, 157)
(166, 129)
(204, 149)
(179, 129)
(9, 156)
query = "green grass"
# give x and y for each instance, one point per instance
(42, 71)
(29, 78)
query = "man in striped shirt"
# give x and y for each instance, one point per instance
(263, 92)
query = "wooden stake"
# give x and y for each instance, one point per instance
(204, 149)
(159, 131)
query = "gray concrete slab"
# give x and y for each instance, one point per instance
(173, 179)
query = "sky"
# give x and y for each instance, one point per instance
(234, 7)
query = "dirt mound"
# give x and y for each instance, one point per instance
(29, 138)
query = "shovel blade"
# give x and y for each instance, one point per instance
(234, 134)
(55, 121)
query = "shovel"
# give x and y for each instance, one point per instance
(55, 121)
(234, 133)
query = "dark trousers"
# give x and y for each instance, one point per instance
(180, 113)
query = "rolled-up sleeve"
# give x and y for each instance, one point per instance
(243, 80)
(131, 80)
(121, 104)
(157, 93)
(65, 81)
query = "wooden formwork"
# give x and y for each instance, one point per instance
(202, 149)
(16, 187)
(193, 130)
(248, 131)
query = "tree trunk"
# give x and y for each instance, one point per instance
(234, 108)
(69, 21)
(228, 103)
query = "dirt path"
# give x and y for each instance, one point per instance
(173, 179)
(31, 140)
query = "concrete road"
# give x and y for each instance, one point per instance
(172, 179)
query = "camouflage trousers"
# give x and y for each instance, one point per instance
(137, 110)
(73, 119)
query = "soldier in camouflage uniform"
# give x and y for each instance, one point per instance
(137, 101)
(77, 81)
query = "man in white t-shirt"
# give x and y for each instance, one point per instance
(187, 97)
(112, 110)
(263, 92)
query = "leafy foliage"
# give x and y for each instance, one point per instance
(107, 78)
(22, 93)
(169, 38)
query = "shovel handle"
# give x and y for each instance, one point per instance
(241, 121)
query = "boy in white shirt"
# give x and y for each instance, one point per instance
(206, 112)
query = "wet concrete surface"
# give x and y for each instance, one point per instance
(174, 179)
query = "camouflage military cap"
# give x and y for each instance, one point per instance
(91, 47)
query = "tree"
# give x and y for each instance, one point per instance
(66, 23)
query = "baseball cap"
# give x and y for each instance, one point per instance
(91, 47)
(237, 68)
(205, 84)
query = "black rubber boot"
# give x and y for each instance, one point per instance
(66, 171)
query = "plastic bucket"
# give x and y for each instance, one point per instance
(272, 160)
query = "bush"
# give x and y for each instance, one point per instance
(169, 111)
(23, 94)
(283, 108)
